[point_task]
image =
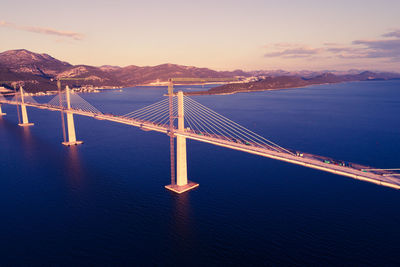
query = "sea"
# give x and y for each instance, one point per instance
(103, 203)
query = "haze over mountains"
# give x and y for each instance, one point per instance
(37, 72)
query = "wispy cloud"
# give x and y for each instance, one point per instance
(41, 30)
(385, 48)
(392, 34)
(294, 52)
(380, 48)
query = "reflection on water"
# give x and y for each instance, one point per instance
(73, 168)
(26, 135)
(27, 142)
(181, 213)
(182, 222)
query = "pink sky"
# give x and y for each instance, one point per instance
(224, 35)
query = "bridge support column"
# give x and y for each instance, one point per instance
(181, 167)
(25, 121)
(182, 183)
(1, 112)
(70, 122)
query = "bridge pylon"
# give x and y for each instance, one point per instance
(70, 122)
(25, 121)
(182, 183)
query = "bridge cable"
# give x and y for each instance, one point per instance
(232, 126)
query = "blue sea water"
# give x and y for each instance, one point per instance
(104, 202)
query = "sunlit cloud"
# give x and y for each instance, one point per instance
(387, 48)
(41, 30)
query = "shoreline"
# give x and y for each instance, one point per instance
(180, 84)
(205, 93)
(76, 90)
(201, 93)
(189, 93)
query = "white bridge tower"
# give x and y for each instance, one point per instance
(25, 121)
(70, 122)
(182, 183)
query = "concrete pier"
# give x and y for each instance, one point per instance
(70, 122)
(25, 121)
(182, 183)
(1, 112)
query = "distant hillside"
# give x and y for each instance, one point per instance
(284, 82)
(24, 61)
(37, 72)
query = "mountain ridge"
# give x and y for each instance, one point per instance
(38, 72)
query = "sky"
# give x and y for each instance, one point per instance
(218, 34)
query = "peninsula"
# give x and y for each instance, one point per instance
(286, 82)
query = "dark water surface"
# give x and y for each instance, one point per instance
(104, 202)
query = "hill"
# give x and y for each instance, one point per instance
(284, 82)
(38, 72)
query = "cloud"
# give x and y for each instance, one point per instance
(392, 34)
(380, 48)
(341, 49)
(295, 52)
(41, 30)
(331, 44)
(283, 45)
(387, 48)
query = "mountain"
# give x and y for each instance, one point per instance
(142, 75)
(38, 72)
(307, 73)
(24, 61)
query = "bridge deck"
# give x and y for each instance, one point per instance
(385, 178)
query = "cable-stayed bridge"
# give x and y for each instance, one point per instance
(183, 118)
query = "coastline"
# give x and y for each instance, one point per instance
(207, 92)
(78, 90)
(191, 93)
(200, 93)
